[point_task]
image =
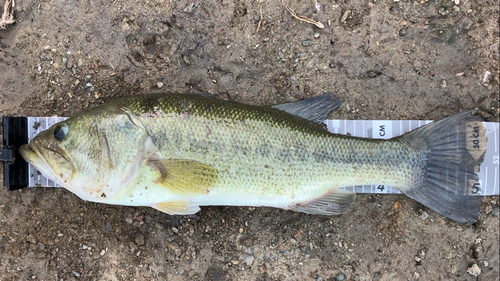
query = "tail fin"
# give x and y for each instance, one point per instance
(454, 149)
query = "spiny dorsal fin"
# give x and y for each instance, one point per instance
(314, 109)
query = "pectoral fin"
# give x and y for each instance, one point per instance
(179, 207)
(184, 177)
(334, 202)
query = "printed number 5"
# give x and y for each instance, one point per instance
(475, 188)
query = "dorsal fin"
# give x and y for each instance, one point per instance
(314, 109)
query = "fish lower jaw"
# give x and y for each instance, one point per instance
(48, 173)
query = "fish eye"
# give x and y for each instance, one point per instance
(60, 131)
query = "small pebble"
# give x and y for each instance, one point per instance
(248, 259)
(402, 32)
(76, 273)
(425, 216)
(474, 270)
(159, 85)
(84, 247)
(339, 277)
(128, 218)
(454, 11)
(346, 15)
(495, 211)
(316, 35)
(103, 252)
(307, 43)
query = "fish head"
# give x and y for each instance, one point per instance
(67, 153)
(92, 154)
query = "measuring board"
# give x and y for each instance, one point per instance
(382, 129)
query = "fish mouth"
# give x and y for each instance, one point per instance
(30, 155)
(33, 155)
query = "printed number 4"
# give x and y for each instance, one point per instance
(381, 187)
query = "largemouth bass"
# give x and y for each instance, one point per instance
(177, 152)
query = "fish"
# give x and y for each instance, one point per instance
(177, 152)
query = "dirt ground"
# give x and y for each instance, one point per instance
(388, 59)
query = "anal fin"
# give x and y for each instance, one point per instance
(179, 207)
(334, 202)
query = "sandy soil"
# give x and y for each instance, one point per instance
(387, 59)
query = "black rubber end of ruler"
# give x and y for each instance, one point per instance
(15, 134)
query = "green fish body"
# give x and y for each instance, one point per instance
(176, 152)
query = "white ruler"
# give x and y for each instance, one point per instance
(382, 129)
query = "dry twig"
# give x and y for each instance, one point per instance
(8, 14)
(260, 19)
(302, 18)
